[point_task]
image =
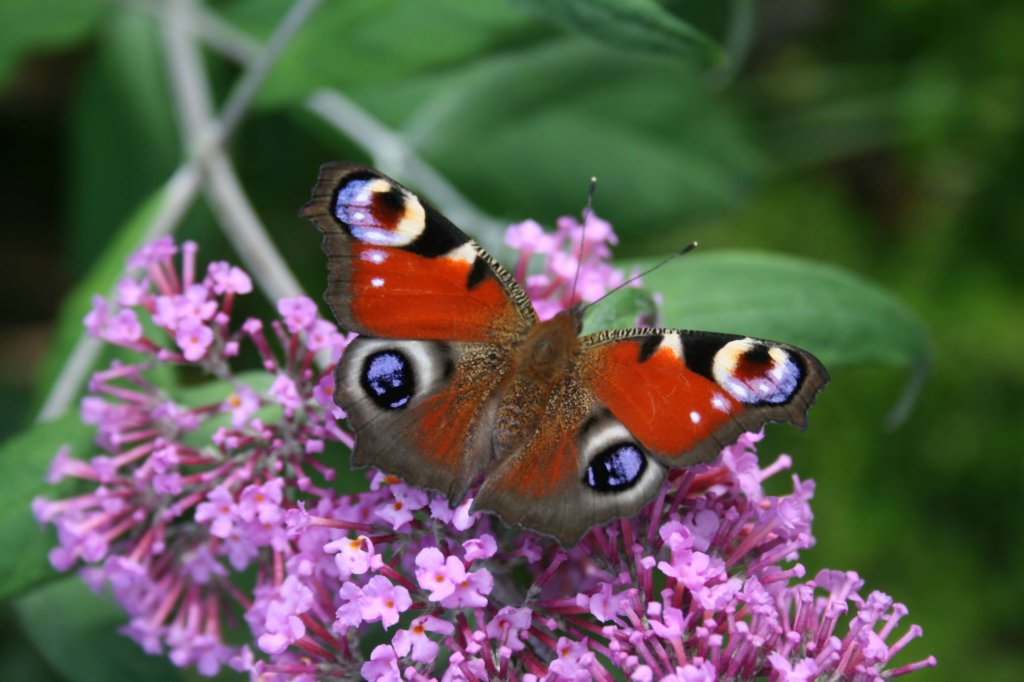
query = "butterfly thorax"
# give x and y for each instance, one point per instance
(543, 362)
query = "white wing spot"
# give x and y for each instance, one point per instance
(720, 403)
(465, 253)
(377, 281)
(695, 417)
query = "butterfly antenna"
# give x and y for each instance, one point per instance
(587, 212)
(685, 250)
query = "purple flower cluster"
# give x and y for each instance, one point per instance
(576, 262)
(207, 514)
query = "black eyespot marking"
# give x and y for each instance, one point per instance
(617, 467)
(650, 345)
(439, 235)
(478, 273)
(387, 378)
(758, 355)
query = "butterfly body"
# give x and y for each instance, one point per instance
(454, 381)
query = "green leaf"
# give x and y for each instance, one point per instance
(841, 318)
(28, 26)
(123, 138)
(24, 462)
(100, 280)
(76, 631)
(629, 24)
(664, 148)
(625, 308)
(371, 42)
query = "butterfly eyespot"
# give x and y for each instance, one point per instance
(757, 373)
(617, 467)
(387, 378)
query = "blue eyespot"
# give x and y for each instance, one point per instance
(387, 378)
(617, 467)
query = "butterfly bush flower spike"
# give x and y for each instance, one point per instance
(703, 584)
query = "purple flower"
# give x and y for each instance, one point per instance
(299, 313)
(226, 278)
(383, 601)
(382, 666)
(186, 529)
(416, 644)
(219, 510)
(193, 338)
(437, 574)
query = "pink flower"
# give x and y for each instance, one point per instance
(226, 278)
(285, 392)
(573, 660)
(193, 337)
(243, 403)
(352, 556)
(183, 515)
(383, 601)
(262, 502)
(382, 666)
(299, 313)
(399, 511)
(437, 574)
(218, 511)
(283, 624)
(471, 591)
(509, 627)
(415, 643)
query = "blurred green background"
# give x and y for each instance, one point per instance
(882, 137)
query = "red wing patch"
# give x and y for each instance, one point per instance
(397, 294)
(399, 269)
(667, 407)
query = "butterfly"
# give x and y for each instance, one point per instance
(454, 381)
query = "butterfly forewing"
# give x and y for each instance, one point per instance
(399, 269)
(687, 394)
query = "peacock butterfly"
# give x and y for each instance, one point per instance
(454, 379)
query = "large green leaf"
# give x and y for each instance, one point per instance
(100, 280)
(123, 138)
(630, 24)
(76, 632)
(24, 461)
(531, 128)
(624, 308)
(370, 42)
(836, 315)
(33, 25)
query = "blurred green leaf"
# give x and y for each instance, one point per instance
(532, 128)
(371, 42)
(124, 141)
(841, 318)
(77, 633)
(621, 310)
(100, 280)
(36, 25)
(24, 462)
(629, 24)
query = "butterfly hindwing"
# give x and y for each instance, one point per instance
(580, 469)
(421, 409)
(399, 269)
(687, 394)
